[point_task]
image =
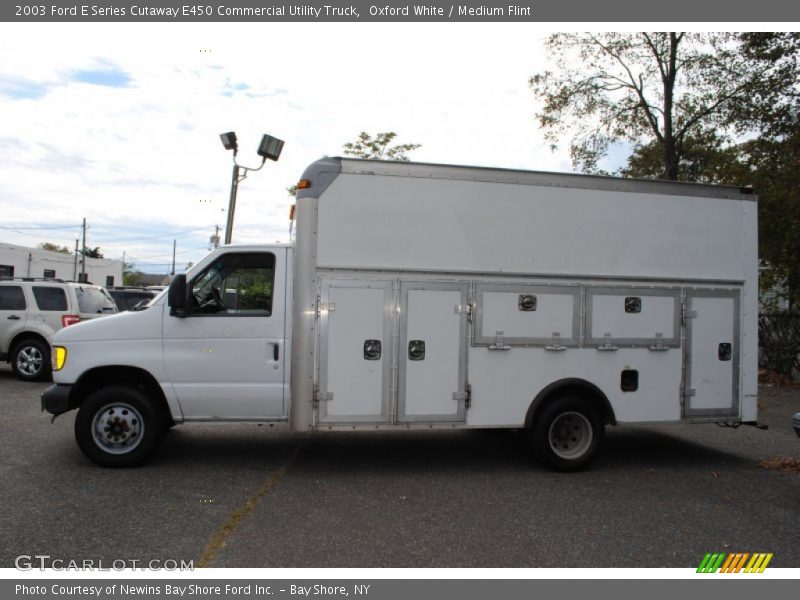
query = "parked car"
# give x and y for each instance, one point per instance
(131, 298)
(32, 310)
(796, 423)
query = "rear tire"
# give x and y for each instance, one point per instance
(30, 360)
(119, 426)
(567, 434)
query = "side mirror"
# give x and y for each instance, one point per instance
(176, 296)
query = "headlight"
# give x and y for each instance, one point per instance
(59, 357)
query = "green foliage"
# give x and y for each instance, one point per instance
(773, 111)
(93, 252)
(132, 278)
(708, 108)
(779, 337)
(377, 148)
(367, 146)
(705, 159)
(252, 289)
(646, 89)
(54, 248)
(777, 179)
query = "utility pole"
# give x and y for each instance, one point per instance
(216, 236)
(83, 257)
(75, 266)
(174, 246)
(232, 203)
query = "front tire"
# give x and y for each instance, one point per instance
(30, 360)
(118, 426)
(567, 434)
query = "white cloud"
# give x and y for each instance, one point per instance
(144, 160)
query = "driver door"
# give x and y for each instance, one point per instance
(226, 359)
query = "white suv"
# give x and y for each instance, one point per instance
(32, 310)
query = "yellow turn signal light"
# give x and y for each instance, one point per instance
(303, 184)
(59, 357)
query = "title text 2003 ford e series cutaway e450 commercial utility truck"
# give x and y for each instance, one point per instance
(420, 296)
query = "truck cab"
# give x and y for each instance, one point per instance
(221, 352)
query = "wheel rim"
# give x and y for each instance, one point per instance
(570, 435)
(117, 428)
(29, 361)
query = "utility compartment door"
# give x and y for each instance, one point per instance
(712, 353)
(355, 351)
(432, 352)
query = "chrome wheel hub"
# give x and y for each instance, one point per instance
(29, 361)
(570, 435)
(117, 428)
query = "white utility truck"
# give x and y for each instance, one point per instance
(435, 296)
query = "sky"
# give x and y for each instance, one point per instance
(120, 123)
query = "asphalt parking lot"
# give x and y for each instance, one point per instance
(251, 496)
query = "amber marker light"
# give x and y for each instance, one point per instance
(59, 357)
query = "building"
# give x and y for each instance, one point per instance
(19, 261)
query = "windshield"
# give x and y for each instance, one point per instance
(94, 300)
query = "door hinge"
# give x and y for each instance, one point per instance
(688, 314)
(321, 397)
(465, 396)
(687, 393)
(326, 306)
(466, 309)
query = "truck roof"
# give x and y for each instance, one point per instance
(324, 171)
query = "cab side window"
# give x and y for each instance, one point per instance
(235, 285)
(11, 297)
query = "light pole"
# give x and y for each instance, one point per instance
(269, 148)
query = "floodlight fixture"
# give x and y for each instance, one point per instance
(229, 141)
(270, 147)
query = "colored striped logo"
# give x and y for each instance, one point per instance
(719, 562)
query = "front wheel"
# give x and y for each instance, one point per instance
(118, 426)
(567, 434)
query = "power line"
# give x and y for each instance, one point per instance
(160, 236)
(14, 228)
(170, 254)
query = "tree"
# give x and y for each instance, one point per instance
(54, 248)
(705, 159)
(774, 112)
(92, 252)
(777, 181)
(133, 278)
(661, 90)
(378, 147)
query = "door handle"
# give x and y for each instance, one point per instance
(372, 349)
(275, 352)
(416, 350)
(13, 318)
